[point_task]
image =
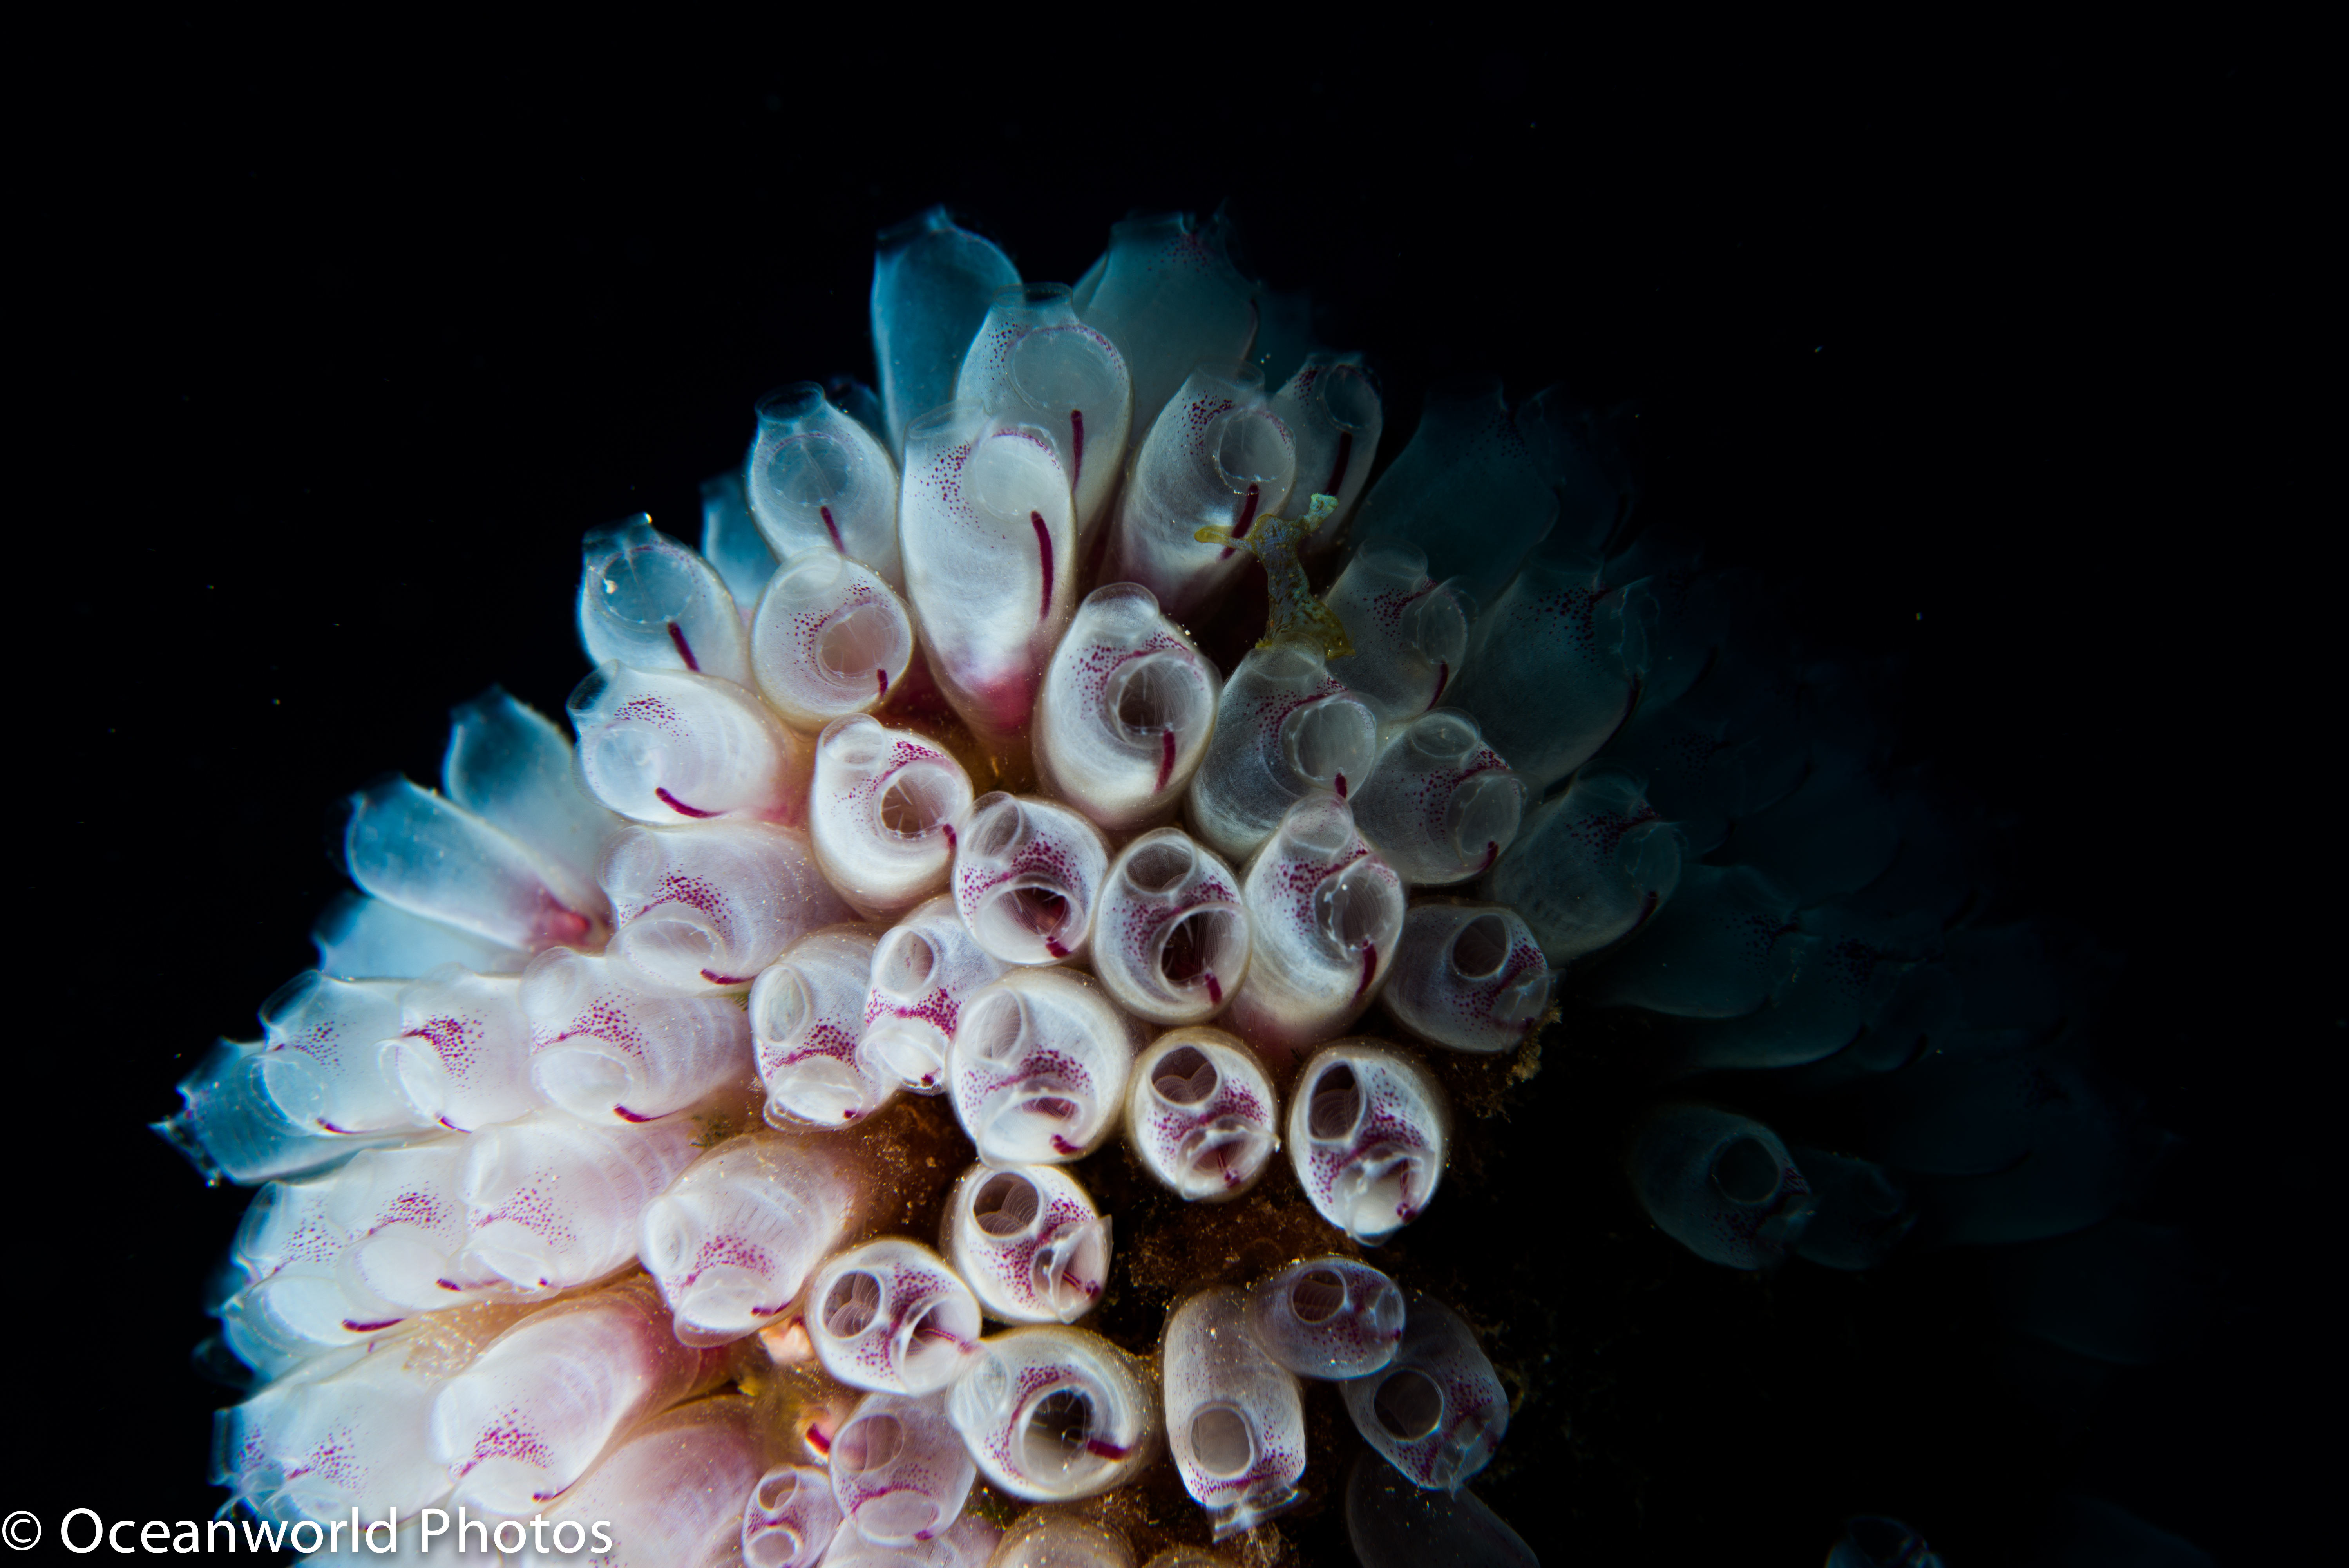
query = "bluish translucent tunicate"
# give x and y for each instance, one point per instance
(932, 283)
(1721, 1184)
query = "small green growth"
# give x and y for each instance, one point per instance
(714, 1130)
(1296, 615)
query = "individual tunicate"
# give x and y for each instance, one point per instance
(1126, 711)
(1719, 1184)
(1055, 1414)
(892, 1317)
(1217, 456)
(807, 1015)
(462, 1055)
(666, 746)
(1034, 362)
(551, 1202)
(607, 1045)
(1437, 1412)
(1467, 976)
(1391, 1523)
(817, 480)
(433, 858)
(667, 1495)
(899, 1469)
(1039, 1066)
(1201, 1113)
(1333, 414)
(1553, 666)
(1368, 1136)
(883, 813)
(1331, 1317)
(735, 1237)
(1465, 492)
(924, 968)
(1285, 728)
(705, 906)
(1028, 877)
(829, 638)
(932, 285)
(646, 600)
(1166, 294)
(1235, 1417)
(1589, 868)
(1171, 940)
(1439, 804)
(1323, 911)
(1029, 1241)
(1410, 634)
(788, 1519)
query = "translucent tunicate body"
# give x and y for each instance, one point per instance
(1028, 877)
(899, 1469)
(1034, 362)
(1201, 1113)
(608, 1046)
(1410, 634)
(829, 638)
(1711, 953)
(1333, 415)
(325, 1066)
(1437, 1412)
(924, 968)
(883, 813)
(1054, 1414)
(667, 747)
(667, 1495)
(1166, 294)
(462, 1055)
(731, 542)
(1391, 1523)
(1368, 1136)
(541, 1405)
(1466, 493)
(1323, 910)
(1589, 868)
(1328, 1317)
(1721, 1184)
(648, 601)
(551, 1202)
(1285, 728)
(1439, 804)
(1029, 1241)
(1048, 1538)
(735, 1237)
(790, 1518)
(817, 480)
(1467, 976)
(1235, 1417)
(807, 1013)
(433, 858)
(1862, 1210)
(512, 768)
(893, 1316)
(1171, 939)
(1039, 1066)
(932, 285)
(990, 533)
(1553, 666)
(1217, 456)
(706, 907)
(1126, 711)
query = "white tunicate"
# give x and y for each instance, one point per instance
(932, 284)
(325, 1063)
(1437, 1412)
(1369, 1130)
(1171, 938)
(1126, 712)
(512, 767)
(790, 1518)
(1285, 728)
(1410, 633)
(893, 1316)
(1721, 1184)
(1217, 456)
(1468, 976)
(731, 540)
(1331, 1317)
(924, 968)
(666, 746)
(1029, 1241)
(1055, 1414)
(991, 568)
(670, 1494)
(1553, 666)
(882, 812)
(706, 907)
(646, 600)
(1028, 877)
(829, 638)
(1323, 910)
(736, 1236)
(338, 1258)
(1166, 294)
(1334, 416)
(433, 858)
(1034, 362)
(462, 1055)
(541, 1404)
(606, 1047)
(817, 480)
(551, 1202)
(1201, 1113)
(246, 1114)
(1235, 1417)
(1439, 804)
(1590, 867)
(900, 1471)
(1039, 1066)
(807, 1012)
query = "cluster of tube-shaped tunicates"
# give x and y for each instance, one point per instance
(914, 782)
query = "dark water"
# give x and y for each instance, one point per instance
(1967, 364)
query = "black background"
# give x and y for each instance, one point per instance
(1975, 355)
